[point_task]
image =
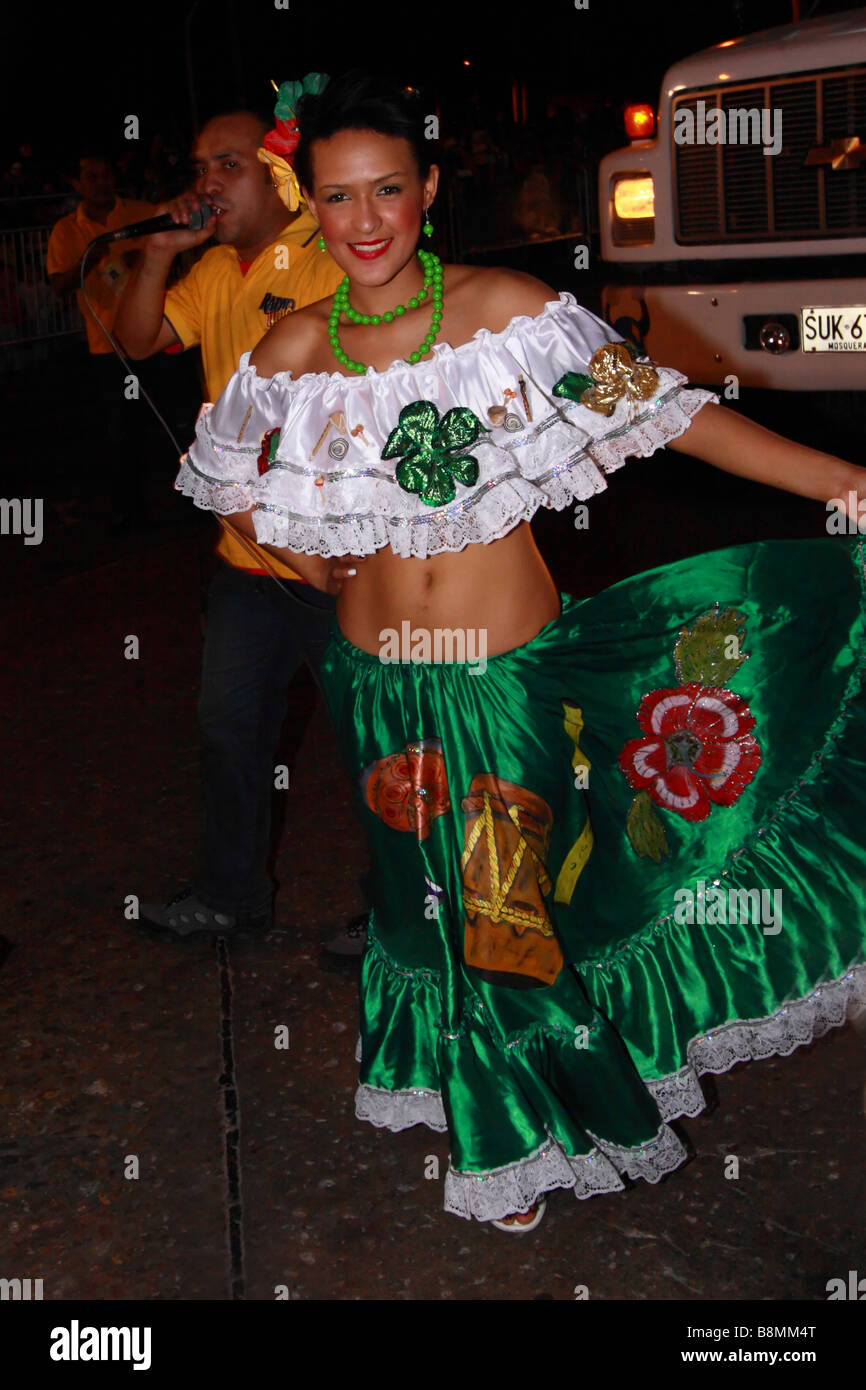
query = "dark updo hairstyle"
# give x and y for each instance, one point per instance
(361, 101)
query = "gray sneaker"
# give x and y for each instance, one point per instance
(186, 915)
(351, 941)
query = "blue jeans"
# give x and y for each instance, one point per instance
(255, 639)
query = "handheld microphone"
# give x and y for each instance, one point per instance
(164, 223)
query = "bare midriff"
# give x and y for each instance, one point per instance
(502, 590)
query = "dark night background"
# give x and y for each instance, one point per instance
(112, 1044)
(85, 68)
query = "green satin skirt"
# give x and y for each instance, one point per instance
(627, 853)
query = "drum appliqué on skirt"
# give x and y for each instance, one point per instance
(505, 881)
(409, 789)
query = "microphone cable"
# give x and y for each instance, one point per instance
(232, 531)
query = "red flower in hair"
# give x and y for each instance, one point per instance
(283, 139)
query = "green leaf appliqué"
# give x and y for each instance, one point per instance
(645, 829)
(432, 451)
(711, 650)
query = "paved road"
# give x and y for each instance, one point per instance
(115, 1046)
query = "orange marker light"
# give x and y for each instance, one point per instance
(640, 122)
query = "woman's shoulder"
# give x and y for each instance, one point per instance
(293, 340)
(497, 294)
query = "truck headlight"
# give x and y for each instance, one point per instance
(633, 212)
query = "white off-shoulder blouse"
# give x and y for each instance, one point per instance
(509, 445)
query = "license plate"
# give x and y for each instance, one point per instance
(838, 329)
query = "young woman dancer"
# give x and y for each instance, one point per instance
(617, 843)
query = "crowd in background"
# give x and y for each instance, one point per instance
(34, 189)
(505, 183)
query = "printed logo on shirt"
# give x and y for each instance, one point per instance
(276, 307)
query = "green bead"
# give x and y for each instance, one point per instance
(432, 269)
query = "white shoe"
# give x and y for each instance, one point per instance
(520, 1228)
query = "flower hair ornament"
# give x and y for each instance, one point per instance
(280, 143)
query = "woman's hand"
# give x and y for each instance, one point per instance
(327, 573)
(330, 573)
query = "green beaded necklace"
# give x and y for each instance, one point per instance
(432, 267)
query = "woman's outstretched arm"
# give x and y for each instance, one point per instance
(737, 445)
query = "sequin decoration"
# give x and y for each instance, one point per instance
(270, 443)
(409, 789)
(433, 451)
(612, 375)
(698, 749)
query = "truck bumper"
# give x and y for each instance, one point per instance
(701, 331)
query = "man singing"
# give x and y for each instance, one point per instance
(265, 264)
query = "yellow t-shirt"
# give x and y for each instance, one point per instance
(106, 282)
(227, 312)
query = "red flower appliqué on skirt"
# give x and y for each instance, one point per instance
(698, 749)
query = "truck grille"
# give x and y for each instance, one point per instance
(734, 192)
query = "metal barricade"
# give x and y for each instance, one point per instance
(32, 316)
(29, 309)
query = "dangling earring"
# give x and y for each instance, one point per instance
(427, 228)
(321, 244)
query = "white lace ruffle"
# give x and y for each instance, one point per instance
(799, 1022)
(490, 1196)
(498, 1192)
(556, 452)
(396, 1110)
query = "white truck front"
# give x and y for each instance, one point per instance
(739, 228)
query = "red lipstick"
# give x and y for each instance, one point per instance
(382, 245)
